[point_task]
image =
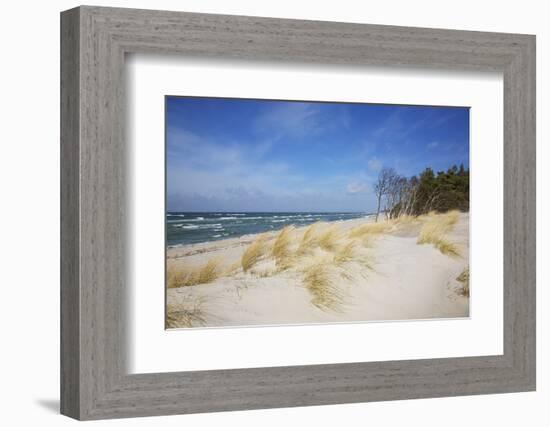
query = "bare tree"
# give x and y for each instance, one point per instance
(395, 195)
(408, 199)
(386, 178)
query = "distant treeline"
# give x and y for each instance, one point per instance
(417, 195)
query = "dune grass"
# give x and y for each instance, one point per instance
(210, 271)
(367, 233)
(446, 247)
(267, 272)
(370, 229)
(232, 269)
(254, 252)
(309, 238)
(186, 314)
(281, 248)
(464, 279)
(433, 235)
(320, 256)
(322, 252)
(176, 277)
(320, 282)
(309, 233)
(330, 238)
(190, 276)
(346, 253)
(434, 231)
(405, 220)
(450, 218)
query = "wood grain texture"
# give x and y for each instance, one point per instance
(70, 292)
(94, 236)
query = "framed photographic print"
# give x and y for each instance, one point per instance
(282, 212)
(261, 213)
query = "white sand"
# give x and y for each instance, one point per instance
(407, 281)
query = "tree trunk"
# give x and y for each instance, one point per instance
(378, 208)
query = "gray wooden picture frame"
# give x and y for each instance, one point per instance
(94, 382)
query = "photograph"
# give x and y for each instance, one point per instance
(292, 212)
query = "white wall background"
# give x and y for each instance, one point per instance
(29, 236)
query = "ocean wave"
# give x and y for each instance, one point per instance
(242, 217)
(200, 218)
(199, 226)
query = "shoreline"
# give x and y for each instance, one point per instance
(189, 249)
(202, 227)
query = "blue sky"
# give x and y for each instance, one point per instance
(258, 155)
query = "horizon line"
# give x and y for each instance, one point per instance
(262, 211)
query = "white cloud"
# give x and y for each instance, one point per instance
(202, 166)
(205, 174)
(433, 144)
(395, 126)
(294, 119)
(374, 164)
(357, 187)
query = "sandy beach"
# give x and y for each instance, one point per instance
(389, 276)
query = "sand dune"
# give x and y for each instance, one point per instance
(335, 272)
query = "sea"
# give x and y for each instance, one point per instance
(184, 228)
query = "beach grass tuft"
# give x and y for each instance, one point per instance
(186, 314)
(464, 279)
(267, 272)
(232, 269)
(319, 281)
(281, 248)
(434, 229)
(176, 277)
(451, 218)
(330, 238)
(309, 238)
(407, 222)
(210, 271)
(446, 247)
(370, 229)
(254, 252)
(190, 276)
(346, 253)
